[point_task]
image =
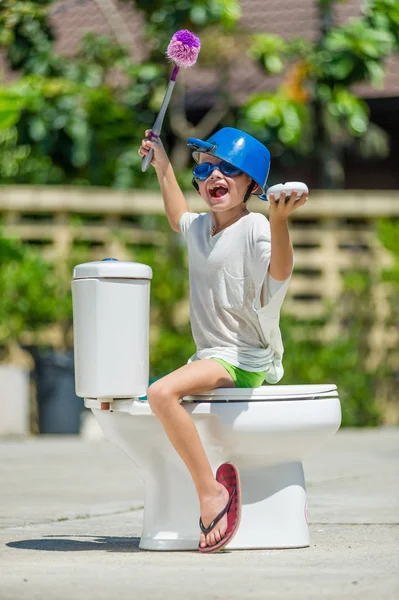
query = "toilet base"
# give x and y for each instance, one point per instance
(264, 431)
(273, 516)
(168, 545)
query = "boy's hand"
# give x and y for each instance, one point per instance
(282, 208)
(160, 159)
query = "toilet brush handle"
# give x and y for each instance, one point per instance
(157, 127)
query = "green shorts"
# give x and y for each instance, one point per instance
(242, 378)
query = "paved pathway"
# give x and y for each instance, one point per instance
(70, 521)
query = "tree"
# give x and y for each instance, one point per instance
(76, 121)
(27, 36)
(314, 110)
(80, 126)
(80, 120)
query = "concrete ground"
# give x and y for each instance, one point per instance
(70, 521)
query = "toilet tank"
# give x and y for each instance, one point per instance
(111, 300)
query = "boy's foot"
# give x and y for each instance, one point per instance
(210, 507)
(219, 531)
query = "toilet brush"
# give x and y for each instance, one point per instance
(183, 51)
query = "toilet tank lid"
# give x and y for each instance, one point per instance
(112, 269)
(265, 393)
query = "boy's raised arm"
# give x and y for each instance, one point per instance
(174, 200)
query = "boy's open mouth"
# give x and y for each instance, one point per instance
(218, 191)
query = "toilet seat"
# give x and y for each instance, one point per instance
(227, 395)
(266, 393)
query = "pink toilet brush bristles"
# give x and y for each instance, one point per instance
(183, 48)
(183, 51)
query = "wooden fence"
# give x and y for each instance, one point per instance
(333, 233)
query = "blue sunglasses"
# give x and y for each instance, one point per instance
(203, 170)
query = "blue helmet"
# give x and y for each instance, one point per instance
(239, 149)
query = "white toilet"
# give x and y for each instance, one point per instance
(266, 431)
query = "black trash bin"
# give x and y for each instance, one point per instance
(59, 408)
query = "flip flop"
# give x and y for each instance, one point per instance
(227, 474)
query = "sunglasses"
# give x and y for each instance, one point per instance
(203, 170)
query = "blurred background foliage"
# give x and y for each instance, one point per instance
(314, 111)
(79, 121)
(34, 292)
(29, 293)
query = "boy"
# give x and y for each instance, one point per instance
(240, 265)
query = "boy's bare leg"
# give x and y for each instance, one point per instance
(164, 396)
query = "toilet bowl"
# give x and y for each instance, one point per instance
(266, 432)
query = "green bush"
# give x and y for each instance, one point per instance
(28, 291)
(35, 293)
(340, 361)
